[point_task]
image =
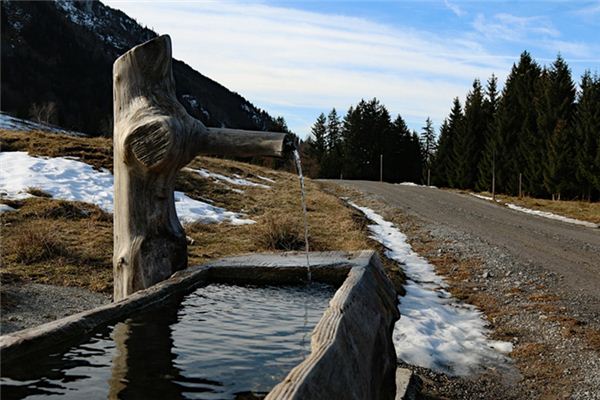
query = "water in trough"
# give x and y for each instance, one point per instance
(219, 342)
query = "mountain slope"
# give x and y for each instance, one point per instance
(62, 52)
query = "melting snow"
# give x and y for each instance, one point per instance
(68, 179)
(17, 124)
(539, 213)
(6, 208)
(550, 215)
(416, 185)
(480, 196)
(435, 331)
(264, 178)
(236, 180)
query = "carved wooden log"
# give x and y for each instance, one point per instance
(154, 137)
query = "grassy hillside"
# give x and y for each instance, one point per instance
(70, 243)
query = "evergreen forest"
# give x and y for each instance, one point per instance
(539, 135)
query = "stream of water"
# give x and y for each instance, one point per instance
(306, 247)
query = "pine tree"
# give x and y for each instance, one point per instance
(333, 130)
(455, 131)
(555, 116)
(332, 163)
(486, 163)
(470, 139)
(319, 146)
(516, 125)
(587, 135)
(429, 145)
(441, 159)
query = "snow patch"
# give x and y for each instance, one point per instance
(435, 331)
(545, 214)
(264, 178)
(236, 180)
(17, 124)
(192, 101)
(72, 180)
(6, 208)
(480, 196)
(550, 215)
(416, 185)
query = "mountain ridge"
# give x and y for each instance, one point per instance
(62, 52)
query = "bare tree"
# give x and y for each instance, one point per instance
(45, 112)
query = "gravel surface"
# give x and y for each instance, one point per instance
(501, 264)
(25, 305)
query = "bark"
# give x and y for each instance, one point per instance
(154, 137)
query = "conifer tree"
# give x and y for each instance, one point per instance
(441, 159)
(587, 136)
(470, 139)
(516, 125)
(555, 116)
(318, 145)
(332, 162)
(455, 129)
(486, 163)
(429, 145)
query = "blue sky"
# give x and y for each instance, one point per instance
(300, 58)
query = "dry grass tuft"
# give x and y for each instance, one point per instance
(36, 244)
(281, 232)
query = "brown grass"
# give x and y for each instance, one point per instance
(281, 233)
(85, 232)
(94, 151)
(38, 243)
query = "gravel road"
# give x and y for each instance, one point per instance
(537, 281)
(570, 250)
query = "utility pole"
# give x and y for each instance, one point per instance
(494, 174)
(381, 168)
(520, 184)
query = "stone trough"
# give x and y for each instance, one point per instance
(352, 354)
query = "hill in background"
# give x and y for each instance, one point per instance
(61, 53)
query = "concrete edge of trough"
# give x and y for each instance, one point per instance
(250, 268)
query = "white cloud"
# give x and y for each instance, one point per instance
(590, 10)
(459, 12)
(510, 27)
(283, 58)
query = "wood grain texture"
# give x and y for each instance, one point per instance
(154, 137)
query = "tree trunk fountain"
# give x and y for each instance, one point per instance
(154, 137)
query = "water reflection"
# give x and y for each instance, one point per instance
(220, 342)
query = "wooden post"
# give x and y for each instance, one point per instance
(381, 168)
(428, 176)
(154, 137)
(494, 174)
(520, 185)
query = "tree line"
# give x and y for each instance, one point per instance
(540, 135)
(359, 144)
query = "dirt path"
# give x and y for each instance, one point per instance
(562, 248)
